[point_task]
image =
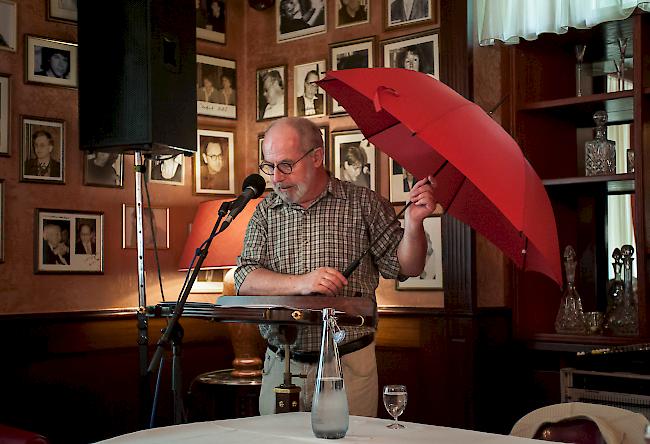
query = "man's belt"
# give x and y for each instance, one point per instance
(312, 357)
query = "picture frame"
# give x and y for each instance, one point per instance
(400, 182)
(216, 87)
(2, 221)
(260, 154)
(50, 62)
(396, 16)
(214, 165)
(350, 54)
(271, 92)
(418, 52)
(42, 153)
(167, 170)
(345, 17)
(68, 241)
(62, 10)
(211, 20)
(161, 227)
(309, 99)
(354, 158)
(294, 22)
(103, 169)
(431, 277)
(5, 114)
(8, 25)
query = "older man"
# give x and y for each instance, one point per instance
(43, 164)
(213, 175)
(300, 238)
(274, 94)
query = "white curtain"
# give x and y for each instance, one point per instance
(508, 20)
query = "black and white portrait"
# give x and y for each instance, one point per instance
(300, 18)
(4, 115)
(8, 34)
(401, 182)
(352, 12)
(405, 12)
(211, 20)
(42, 151)
(417, 52)
(309, 98)
(431, 276)
(167, 169)
(68, 242)
(62, 10)
(271, 92)
(104, 169)
(216, 87)
(354, 158)
(51, 61)
(347, 55)
(214, 165)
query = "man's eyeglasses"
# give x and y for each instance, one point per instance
(214, 156)
(283, 167)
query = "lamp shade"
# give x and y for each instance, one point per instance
(226, 246)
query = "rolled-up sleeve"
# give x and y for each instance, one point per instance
(253, 255)
(385, 250)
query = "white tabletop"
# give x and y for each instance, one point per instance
(296, 428)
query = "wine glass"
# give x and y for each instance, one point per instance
(580, 55)
(395, 397)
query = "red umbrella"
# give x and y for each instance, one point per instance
(483, 178)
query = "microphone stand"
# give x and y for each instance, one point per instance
(174, 332)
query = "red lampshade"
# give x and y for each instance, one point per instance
(226, 246)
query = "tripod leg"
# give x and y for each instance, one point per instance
(154, 406)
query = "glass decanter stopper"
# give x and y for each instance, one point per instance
(329, 410)
(624, 319)
(570, 317)
(614, 289)
(600, 153)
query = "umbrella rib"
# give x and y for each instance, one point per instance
(397, 122)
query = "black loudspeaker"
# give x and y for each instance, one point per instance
(137, 76)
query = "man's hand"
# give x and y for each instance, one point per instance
(424, 202)
(324, 280)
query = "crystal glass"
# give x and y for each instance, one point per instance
(614, 289)
(600, 153)
(594, 321)
(395, 397)
(580, 55)
(620, 75)
(570, 318)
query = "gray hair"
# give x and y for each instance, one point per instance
(308, 133)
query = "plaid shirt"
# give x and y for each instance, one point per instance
(332, 232)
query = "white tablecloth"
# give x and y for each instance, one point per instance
(296, 428)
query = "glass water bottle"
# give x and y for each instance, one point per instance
(570, 317)
(600, 153)
(329, 410)
(625, 320)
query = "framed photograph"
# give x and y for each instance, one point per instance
(8, 25)
(42, 152)
(296, 19)
(211, 20)
(354, 158)
(401, 182)
(271, 92)
(62, 10)
(4, 115)
(2, 220)
(214, 162)
(52, 62)
(431, 277)
(216, 87)
(350, 54)
(158, 231)
(417, 52)
(402, 12)
(168, 170)
(104, 169)
(350, 13)
(69, 241)
(308, 97)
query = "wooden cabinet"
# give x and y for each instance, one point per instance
(551, 124)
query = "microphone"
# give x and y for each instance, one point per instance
(253, 186)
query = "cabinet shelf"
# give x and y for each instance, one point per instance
(616, 184)
(576, 343)
(619, 107)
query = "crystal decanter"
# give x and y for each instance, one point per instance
(624, 319)
(600, 153)
(570, 317)
(614, 289)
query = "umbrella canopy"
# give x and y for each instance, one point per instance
(483, 178)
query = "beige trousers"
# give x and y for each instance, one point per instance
(359, 376)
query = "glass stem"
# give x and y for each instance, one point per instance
(395, 418)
